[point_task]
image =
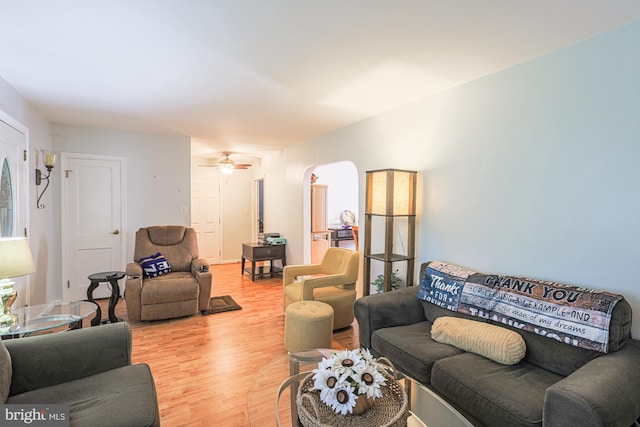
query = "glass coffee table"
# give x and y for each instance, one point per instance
(45, 317)
(263, 394)
(273, 392)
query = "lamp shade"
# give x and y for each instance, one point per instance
(15, 257)
(49, 160)
(391, 192)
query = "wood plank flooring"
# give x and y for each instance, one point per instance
(204, 366)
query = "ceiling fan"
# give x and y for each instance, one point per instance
(227, 166)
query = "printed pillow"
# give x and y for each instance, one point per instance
(493, 342)
(155, 265)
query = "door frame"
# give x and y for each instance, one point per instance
(23, 195)
(64, 220)
(258, 199)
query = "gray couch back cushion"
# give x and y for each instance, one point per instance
(562, 359)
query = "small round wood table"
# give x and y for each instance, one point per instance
(112, 278)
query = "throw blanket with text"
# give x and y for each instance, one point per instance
(569, 314)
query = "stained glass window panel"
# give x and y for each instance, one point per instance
(6, 201)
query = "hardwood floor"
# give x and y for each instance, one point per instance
(204, 366)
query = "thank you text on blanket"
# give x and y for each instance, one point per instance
(570, 314)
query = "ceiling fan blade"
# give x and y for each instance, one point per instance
(243, 165)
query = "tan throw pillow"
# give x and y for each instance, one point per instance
(5, 373)
(493, 342)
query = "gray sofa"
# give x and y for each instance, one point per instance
(89, 370)
(554, 385)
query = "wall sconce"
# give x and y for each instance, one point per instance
(49, 163)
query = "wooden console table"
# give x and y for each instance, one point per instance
(339, 235)
(257, 252)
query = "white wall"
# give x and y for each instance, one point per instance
(530, 171)
(158, 173)
(41, 225)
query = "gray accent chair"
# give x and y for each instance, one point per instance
(184, 291)
(89, 370)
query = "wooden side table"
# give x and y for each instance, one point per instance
(256, 252)
(340, 235)
(112, 278)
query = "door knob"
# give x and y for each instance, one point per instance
(115, 232)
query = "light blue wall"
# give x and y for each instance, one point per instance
(530, 171)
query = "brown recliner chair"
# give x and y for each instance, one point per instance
(333, 281)
(182, 292)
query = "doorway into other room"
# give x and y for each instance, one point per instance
(331, 208)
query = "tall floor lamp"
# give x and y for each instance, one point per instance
(391, 201)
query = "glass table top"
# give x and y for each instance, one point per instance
(41, 317)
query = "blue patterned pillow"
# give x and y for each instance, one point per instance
(155, 265)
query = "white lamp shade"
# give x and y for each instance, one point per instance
(15, 257)
(391, 192)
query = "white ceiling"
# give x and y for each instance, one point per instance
(248, 75)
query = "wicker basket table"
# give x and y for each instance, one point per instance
(390, 410)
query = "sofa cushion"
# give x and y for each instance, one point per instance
(172, 287)
(493, 342)
(494, 394)
(5, 372)
(411, 349)
(119, 397)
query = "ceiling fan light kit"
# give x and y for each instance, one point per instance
(227, 166)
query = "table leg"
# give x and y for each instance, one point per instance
(294, 369)
(96, 320)
(113, 301)
(253, 271)
(242, 266)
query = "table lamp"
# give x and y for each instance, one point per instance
(15, 260)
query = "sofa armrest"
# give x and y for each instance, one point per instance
(133, 291)
(395, 308)
(604, 392)
(311, 283)
(200, 270)
(51, 359)
(290, 272)
(134, 270)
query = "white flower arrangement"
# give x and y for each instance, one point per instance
(345, 376)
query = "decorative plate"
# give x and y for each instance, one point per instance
(348, 218)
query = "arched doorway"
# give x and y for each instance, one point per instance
(340, 180)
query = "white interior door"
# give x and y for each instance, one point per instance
(205, 215)
(93, 240)
(14, 191)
